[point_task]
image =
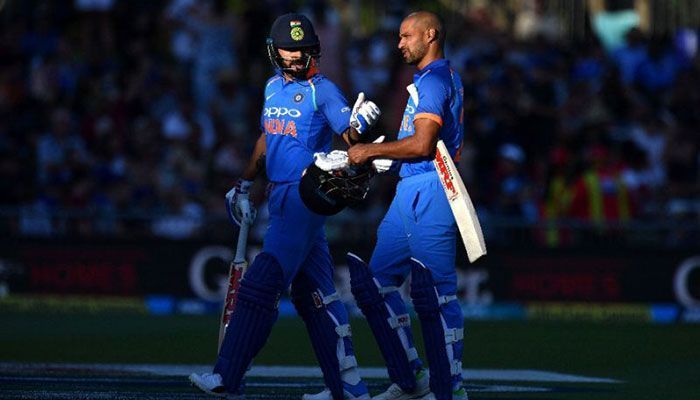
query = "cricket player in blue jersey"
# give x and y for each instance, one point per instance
(301, 112)
(418, 233)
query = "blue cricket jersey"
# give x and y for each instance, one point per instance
(298, 118)
(437, 94)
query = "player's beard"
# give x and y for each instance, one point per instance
(413, 56)
(300, 69)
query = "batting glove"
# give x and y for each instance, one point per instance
(381, 164)
(333, 161)
(240, 210)
(364, 114)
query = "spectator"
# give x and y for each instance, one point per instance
(94, 116)
(60, 151)
(600, 196)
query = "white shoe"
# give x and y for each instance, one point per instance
(460, 394)
(394, 392)
(209, 384)
(326, 395)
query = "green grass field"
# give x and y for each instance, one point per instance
(653, 361)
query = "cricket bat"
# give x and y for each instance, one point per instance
(460, 203)
(236, 270)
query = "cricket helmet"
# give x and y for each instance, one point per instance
(294, 32)
(329, 192)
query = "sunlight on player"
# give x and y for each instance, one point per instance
(302, 110)
(418, 233)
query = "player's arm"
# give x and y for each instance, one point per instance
(421, 144)
(238, 205)
(351, 136)
(350, 126)
(256, 163)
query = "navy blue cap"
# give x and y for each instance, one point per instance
(291, 31)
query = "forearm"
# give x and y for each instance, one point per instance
(421, 144)
(408, 147)
(350, 136)
(256, 164)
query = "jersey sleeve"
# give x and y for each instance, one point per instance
(333, 105)
(432, 98)
(271, 86)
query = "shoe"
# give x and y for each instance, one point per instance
(460, 394)
(394, 392)
(326, 395)
(210, 384)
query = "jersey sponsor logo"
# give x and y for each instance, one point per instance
(281, 112)
(345, 109)
(298, 97)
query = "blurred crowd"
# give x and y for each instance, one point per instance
(135, 117)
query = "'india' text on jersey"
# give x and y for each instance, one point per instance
(298, 118)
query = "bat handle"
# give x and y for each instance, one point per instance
(242, 244)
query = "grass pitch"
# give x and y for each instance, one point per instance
(651, 361)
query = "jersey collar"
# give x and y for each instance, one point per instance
(440, 62)
(303, 82)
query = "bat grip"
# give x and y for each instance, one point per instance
(242, 243)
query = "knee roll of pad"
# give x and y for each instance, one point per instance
(370, 299)
(439, 339)
(251, 323)
(262, 286)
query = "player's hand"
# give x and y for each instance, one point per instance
(358, 154)
(333, 161)
(240, 209)
(364, 114)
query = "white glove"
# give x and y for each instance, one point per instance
(240, 210)
(381, 164)
(333, 161)
(364, 114)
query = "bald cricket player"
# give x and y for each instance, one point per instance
(418, 235)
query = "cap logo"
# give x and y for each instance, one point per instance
(297, 33)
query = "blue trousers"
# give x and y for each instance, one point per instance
(296, 238)
(419, 224)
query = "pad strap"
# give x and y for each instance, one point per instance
(412, 354)
(330, 298)
(456, 367)
(446, 299)
(383, 290)
(343, 330)
(454, 335)
(348, 362)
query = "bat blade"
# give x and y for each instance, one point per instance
(236, 271)
(460, 203)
